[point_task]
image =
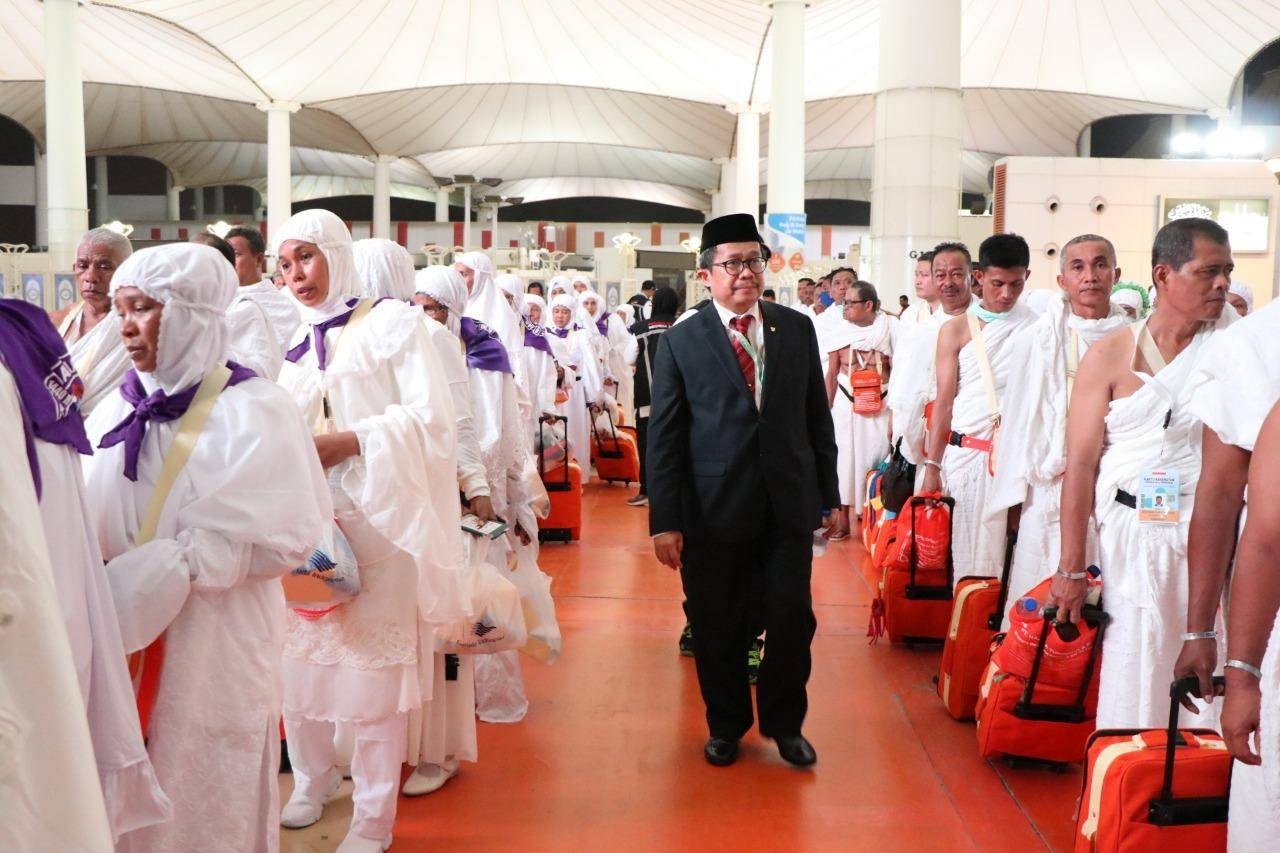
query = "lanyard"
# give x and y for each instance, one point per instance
(755, 356)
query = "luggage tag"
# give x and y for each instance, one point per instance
(1159, 491)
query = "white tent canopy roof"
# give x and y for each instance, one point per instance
(562, 95)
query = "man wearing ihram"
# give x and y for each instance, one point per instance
(741, 463)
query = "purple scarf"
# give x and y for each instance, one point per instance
(563, 333)
(48, 386)
(317, 333)
(159, 407)
(535, 337)
(484, 348)
(603, 324)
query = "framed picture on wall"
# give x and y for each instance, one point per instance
(1247, 220)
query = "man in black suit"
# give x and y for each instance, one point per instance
(741, 468)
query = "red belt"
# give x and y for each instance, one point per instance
(969, 442)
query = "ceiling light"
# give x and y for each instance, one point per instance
(119, 227)
(218, 229)
(491, 182)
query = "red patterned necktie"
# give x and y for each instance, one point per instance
(742, 325)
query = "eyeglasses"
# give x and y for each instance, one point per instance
(734, 266)
(847, 303)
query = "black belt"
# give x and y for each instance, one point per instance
(1123, 497)
(883, 394)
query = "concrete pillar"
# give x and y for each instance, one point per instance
(173, 198)
(68, 198)
(442, 205)
(915, 186)
(493, 226)
(466, 217)
(199, 197)
(1084, 144)
(717, 204)
(219, 201)
(101, 206)
(279, 179)
(746, 160)
(42, 199)
(786, 109)
(728, 175)
(382, 196)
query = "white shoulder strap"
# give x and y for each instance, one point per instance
(1145, 344)
(1073, 362)
(984, 363)
(189, 429)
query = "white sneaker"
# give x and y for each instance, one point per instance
(427, 778)
(359, 844)
(302, 810)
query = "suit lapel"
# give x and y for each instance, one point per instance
(718, 341)
(772, 350)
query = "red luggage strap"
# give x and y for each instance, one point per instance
(969, 442)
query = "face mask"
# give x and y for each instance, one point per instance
(984, 315)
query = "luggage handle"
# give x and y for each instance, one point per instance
(1167, 810)
(996, 619)
(542, 460)
(930, 593)
(1028, 710)
(616, 453)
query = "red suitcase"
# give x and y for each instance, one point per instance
(616, 456)
(975, 620)
(1026, 719)
(1157, 789)
(563, 482)
(915, 600)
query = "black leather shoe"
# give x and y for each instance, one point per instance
(794, 749)
(720, 751)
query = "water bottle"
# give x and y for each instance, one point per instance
(819, 543)
(1027, 605)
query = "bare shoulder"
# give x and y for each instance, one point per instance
(56, 317)
(954, 334)
(1110, 353)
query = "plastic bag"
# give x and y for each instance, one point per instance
(538, 606)
(329, 578)
(499, 623)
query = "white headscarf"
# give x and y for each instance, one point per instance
(587, 319)
(330, 234)
(564, 300)
(196, 284)
(1128, 296)
(446, 286)
(385, 268)
(562, 284)
(532, 299)
(1245, 292)
(513, 286)
(490, 307)
(628, 314)
(580, 277)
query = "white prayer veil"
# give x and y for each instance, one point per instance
(1245, 292)
(196, 284)
(513, 286)
(532, 299)
(628, 314)
(385, 268)
(446, 286)
(1129, 297)
(561, 284)
(588, 319)
(326, 231)
(580, 277)
(564, 300)
(489, 306)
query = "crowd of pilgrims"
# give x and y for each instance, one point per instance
(204, 431)
(352, 392)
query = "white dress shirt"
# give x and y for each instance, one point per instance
(755, 335)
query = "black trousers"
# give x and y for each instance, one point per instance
(732, 589)
(642, 436)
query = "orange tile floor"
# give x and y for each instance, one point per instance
(610, 754)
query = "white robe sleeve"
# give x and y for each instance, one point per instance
(252, 340)
(471, 478)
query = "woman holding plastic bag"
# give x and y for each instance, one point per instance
(370, 385)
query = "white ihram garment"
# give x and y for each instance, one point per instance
(1033, 441)
(50, 797)
(1241, 372)
(1144, 566)
(99, 357)
(913, 382)
(584, 383)
(247, 507)
(975, 545)
(252, 340)
(862, 441)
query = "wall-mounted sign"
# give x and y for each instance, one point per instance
(1247, 220)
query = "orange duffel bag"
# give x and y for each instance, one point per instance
(915, 590)
(1156, 789)
(1027, 718)
(1064, 661)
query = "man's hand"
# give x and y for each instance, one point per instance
(482, 508)
(336, 448)
(668, 547)
(1198, 658)
(932, 481)
(1240, 717)
(1068, 596)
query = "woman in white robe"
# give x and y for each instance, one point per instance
(385, 269)
(583, 379)
(382, 408)
(248, 505)
(539, 360)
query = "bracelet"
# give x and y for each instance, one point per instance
(1245, 667)
(1073, 576)
(933, 464)
(1199, 635)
